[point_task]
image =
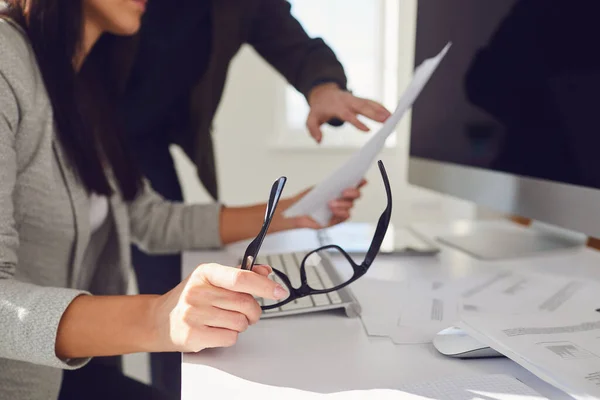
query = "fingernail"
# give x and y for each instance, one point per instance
(280, 292)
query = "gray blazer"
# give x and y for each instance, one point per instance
(44, 230)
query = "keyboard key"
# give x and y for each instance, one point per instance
(260, 260)
(294, 306)
(335, 297)
(321, 299)
(313, 260)
(305, 301)
(313, 279)
(291, 269)
(327, 282)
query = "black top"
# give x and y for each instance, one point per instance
(173, 54)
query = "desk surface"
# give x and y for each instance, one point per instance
(331, 352)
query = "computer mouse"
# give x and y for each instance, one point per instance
(454, 342)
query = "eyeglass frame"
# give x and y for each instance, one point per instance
(359, 269)
(251, 252)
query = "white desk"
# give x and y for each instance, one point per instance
(329, 352)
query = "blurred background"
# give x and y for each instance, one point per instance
(258, 141)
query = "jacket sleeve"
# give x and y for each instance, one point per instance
(29, 314)
(162, 227)
(282, 41)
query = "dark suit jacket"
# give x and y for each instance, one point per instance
(276, 35)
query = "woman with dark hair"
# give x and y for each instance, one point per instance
(71, 203)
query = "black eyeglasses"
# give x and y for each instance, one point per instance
(254, 246)
(310, 282)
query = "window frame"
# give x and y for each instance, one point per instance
(388, 53)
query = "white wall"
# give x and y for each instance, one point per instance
(248, 161)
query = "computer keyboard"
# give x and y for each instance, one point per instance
(319, 275)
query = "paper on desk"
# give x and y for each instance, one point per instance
(217, 384)
(380, 302)
(561, 348)
(423, 316)
(410, 312)
(413, 312)
(519, 293)
(422, 307)
(353, 171)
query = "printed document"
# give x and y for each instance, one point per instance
(414, 311)
(353, 171)
(561, 348)
(509, 292)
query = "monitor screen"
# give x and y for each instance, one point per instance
(519, 91)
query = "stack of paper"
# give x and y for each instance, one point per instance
(353, 171)
(415, 311)
(561, 348)
(217, 384)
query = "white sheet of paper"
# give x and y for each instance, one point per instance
(428, 306)
(407, 312)
(561, 348)
(217, 384)
(381, 302)
(423, 316)
(520, 293)
(352, 172)
(415, 311)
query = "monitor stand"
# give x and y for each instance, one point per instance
(509, 242)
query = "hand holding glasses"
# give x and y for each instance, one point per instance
(310, 281)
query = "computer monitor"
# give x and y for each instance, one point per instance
(511, 119)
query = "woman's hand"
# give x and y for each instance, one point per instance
(244, 222)
(209, 309)
(340, 209)
(212, 307)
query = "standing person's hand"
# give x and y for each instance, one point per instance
(328, 101)
(212, 307)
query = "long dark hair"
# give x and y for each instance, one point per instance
(84, 103)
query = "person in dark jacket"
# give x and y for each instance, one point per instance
(173, 77)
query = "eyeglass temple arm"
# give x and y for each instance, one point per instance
(384, 220)
(274, 196)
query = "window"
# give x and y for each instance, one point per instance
(364, 35)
